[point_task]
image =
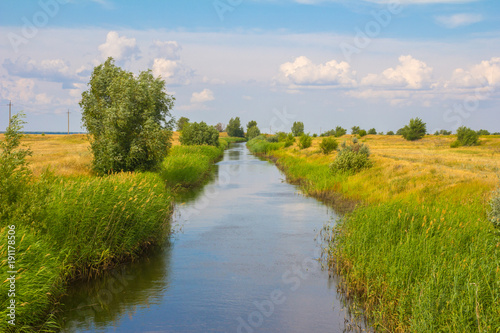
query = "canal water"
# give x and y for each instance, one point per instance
(243, 258)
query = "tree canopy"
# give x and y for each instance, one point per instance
(234, 128)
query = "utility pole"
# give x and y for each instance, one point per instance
(68, 121)
(10, 111)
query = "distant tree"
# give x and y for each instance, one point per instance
(372, 131)
(339, 131)
(415, 130)
(483, 132)
(400, 131)
(315, 135)
(305, 141)
(181, 122)
(390, 133)
(442, 132)
(128, 119)
(496, 133)
(220, 127)
(328, 133)
(355, 130)
(254, 131)
(362, 133)
(199, 134)
(251, 123)
(234, 128)
(328, 145)
(298, 128)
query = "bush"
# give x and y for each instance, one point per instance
(234, 128)
(181, 122)
(305, 141)
(355, 130)
(442, 132)
(315, 135)
(199, 134)
(351, 158)
(328, 133)
(466, 137)
(290, 140)
(362, 133)
(390, 133)
(483, 132)
(273, 138)
(298, 128)
(415, 130)
(128, 119)
(372, 131)
(339, 131)
(281, 136)
(494, 213)
(328, 145)
(253, 132)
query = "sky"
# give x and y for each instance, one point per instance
(327, 63)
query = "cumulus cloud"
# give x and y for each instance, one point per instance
(172, 71)
(303, 72)
(54, 70)
(409, 74)
(17, 90)
(486, 73)
(205, 95)
(168, 50)
(120, 48)
(458, 20)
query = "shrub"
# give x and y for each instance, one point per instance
(199, 134)
(305, 141)
(415, 130)
(298, 128)
(315, 135)
(339, 131)
(390, 133)
(328, 145)
(355, 130)
(253, 132)
(494, 213)
(328, 133)
(273, 138)
(128, 119)
(351, 158)
(281, 136)
(466, 137)
(290, 140)
(483, 132)
(372, 131)
(220, 127)
(362, 133)
(234, 128)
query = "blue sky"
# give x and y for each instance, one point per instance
(373, 63)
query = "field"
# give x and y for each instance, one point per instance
(417, 253)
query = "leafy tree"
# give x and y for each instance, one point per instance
(298, 128)
(251, 124)
(220, 127)
(128, 119)
(372, 131)
(400, 131)
(234, 128)
(328, 133)
(305, 141)
(339, 131)
(415, 130)
(315, 135)
(466, 137)
(328, 145)
(442, 132)
(181, 122)
(253, 131)
(390, 133)
(199, 134)
(483, 132)
(362, 133)
(355, 130)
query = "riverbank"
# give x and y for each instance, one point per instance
(418, 254)
(73, 227)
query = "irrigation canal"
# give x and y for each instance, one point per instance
(243, 258)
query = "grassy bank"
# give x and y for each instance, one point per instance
(418, 253)
(73, 227)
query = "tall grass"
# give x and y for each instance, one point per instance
(260, 146)
(419, 253)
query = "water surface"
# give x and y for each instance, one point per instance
(242, 259)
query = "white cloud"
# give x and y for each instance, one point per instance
(205, 95)
(172, 71)
(167, 50)
(409, 74)
(483, 74)
(120, 48)
(303, 72)
(458, 20)
(17, 90)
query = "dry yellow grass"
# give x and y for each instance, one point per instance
(65, 154)
(404, 168)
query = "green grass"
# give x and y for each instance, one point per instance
(418, 253)
(260, 146)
